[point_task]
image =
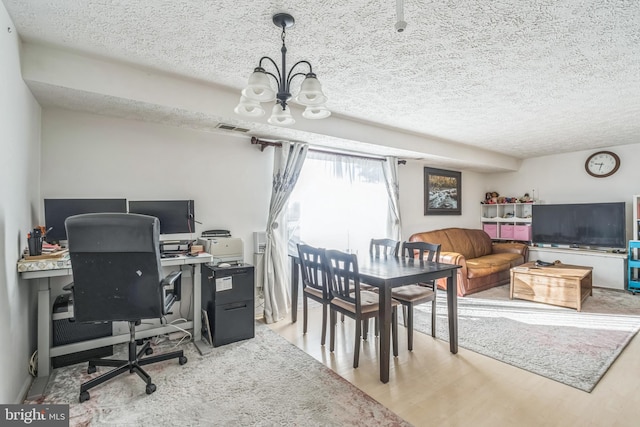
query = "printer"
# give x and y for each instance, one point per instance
(223, 249)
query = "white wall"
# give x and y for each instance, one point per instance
(229, 179)
(19, 198)
(562, 178)
(559, 178)
(411, 177)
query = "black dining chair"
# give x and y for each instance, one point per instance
(379, 248)
(348, 299)
(314, 284)
(383, 247)
(117, 276)
(411, 295)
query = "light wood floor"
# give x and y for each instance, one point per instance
(432, 387)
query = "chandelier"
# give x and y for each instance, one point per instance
(259, 88)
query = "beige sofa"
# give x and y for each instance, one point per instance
(484, 264)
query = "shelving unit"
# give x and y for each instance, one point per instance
(633, 261)
(636, 218)
(507, 221)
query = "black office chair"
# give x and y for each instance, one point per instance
(411, 295)
(314, 284)
(117, 276)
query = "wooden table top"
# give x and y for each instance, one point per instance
(557, 270)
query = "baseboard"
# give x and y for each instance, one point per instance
(22, 394)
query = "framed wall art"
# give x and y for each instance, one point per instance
(442, 192)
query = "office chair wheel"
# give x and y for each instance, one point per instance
(148, 351)
(182, 360)
(84, 396)
(151, 388)
(91, 369)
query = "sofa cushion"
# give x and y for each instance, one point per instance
(490, 264)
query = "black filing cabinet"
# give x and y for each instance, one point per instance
(228, 301)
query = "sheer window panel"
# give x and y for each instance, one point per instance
(340, 202)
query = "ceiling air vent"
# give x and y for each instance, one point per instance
(224, 126)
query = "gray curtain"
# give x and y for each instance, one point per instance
(288, 161)
(390, 169)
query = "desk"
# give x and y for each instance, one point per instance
(46, 351)
(388, 273)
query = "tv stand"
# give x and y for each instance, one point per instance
(609, 266)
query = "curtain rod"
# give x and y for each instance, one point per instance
(264, 143)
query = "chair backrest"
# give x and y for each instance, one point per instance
(344, 280)
(313, 272)
(421, 250)
(115, 259)
(383, 247)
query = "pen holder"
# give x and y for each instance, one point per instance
(35, 246)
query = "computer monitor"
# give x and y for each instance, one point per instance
(56, 211)
(176, 216)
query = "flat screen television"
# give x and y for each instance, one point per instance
(176, 216)
(57, 210)
(596, 225)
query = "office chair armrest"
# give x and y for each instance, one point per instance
(170, 278)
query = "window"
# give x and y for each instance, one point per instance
(339, 202)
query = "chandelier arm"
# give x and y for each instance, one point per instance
(294, 67)
(280, 77)
(291, 77)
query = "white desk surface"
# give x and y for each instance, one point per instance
(62, 267)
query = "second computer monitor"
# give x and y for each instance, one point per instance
(176, 216)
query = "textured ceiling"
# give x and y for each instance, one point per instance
(524, 78)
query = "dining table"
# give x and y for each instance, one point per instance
(386, 273)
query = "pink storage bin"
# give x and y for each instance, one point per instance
(506, 231)
(491, 230)
(522, 232)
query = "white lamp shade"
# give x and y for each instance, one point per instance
(249, 108)
(280, 117)
(259, 88)
(316, 112)
(311, 92)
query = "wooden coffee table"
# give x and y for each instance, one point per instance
(560, 284)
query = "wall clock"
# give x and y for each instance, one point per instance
(602, 164)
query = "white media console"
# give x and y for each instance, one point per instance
(609, 268)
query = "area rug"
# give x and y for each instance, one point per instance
(574, 348)
(265, 381)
